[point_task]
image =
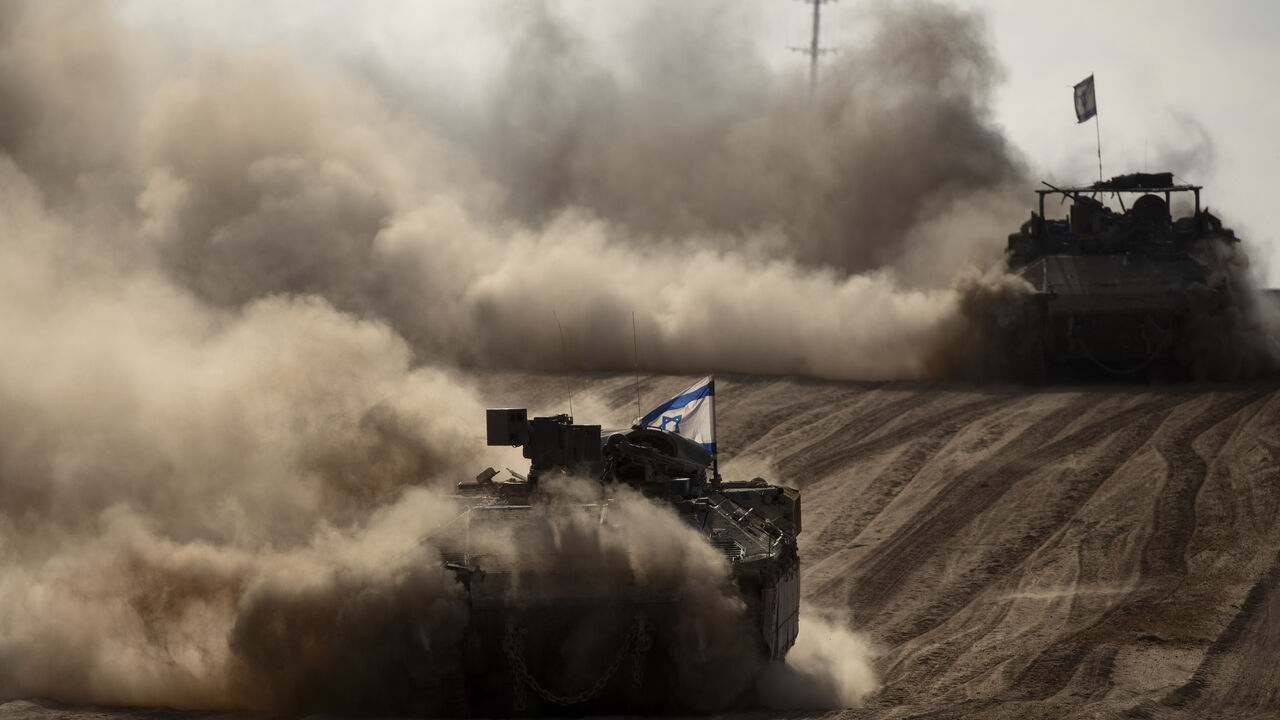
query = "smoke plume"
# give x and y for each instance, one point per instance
(746, 228)
(1243, 340)
(829, 668)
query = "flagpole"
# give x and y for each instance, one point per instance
(1097, 126)
(715, 453)
(635, 347)
(564, 360)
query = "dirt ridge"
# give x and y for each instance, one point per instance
(1094, 551)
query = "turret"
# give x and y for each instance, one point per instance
(552, 444)
(656, 462)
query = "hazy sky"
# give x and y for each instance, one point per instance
(1179, 84)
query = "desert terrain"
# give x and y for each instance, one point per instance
(1066, 552)
(1086, 551)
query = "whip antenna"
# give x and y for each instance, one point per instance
(635, 349)
(564, 361)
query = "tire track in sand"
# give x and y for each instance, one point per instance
(1084, 659)
(969, 494)
(912, 447)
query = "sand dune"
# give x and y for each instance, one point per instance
(1063, 552)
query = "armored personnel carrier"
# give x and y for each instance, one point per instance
(1124, 293)
(562, 618)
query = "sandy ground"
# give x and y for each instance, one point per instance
(1063, 552)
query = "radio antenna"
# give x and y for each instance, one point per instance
(635, 348)
(564, 361)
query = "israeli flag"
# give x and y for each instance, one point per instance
(1086, 100)
(690, 414)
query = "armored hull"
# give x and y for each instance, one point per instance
(1120, 293)
(603, 605)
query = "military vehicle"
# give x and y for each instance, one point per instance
(1124, 293)
(560, 622)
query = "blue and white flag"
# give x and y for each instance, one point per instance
(1086, 100)
(690, 414)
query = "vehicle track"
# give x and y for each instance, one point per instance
(1066, 552)
(977, 490)
(1162, 566)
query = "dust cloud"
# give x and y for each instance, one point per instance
(693, 135)
(1242, 341)
(830, 667)
(993, 335)
(178, 480)
(747, 229)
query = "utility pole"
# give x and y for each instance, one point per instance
(814, 49)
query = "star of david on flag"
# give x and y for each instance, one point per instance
(1086, 100)
(690, 414)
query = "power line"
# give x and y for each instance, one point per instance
(814, 49)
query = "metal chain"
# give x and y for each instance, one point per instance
(519, 700)
(513, 644)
